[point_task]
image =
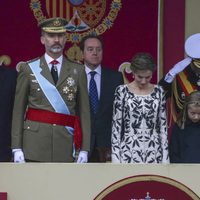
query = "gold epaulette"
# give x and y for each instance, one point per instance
(19, 64)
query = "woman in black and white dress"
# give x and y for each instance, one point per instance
(139, 128)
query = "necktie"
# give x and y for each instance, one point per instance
(54, 71)
(93, 94)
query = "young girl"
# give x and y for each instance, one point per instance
(185, 140)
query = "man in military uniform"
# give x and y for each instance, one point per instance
(184, 77)
(51, 96)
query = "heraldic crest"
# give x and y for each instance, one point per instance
(83, 17)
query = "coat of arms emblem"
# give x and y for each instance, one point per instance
(83, 17)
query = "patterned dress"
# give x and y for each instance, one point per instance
(139, 127)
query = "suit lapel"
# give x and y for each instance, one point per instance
(104, 85)
(45, 70)
(64, 71)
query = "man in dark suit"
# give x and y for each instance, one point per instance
(52, 94)
(106, 81)
(7, 92)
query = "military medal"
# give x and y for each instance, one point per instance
(70, 81)
(65, 89)
(183, 95)
(70, 89)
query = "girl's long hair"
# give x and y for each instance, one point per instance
(192, 99)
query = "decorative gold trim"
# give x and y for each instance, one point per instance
(75, 37)
(125, 68)
(36, 8)
(92, 12)
(147, 178)
(5, 59)
(107, 23)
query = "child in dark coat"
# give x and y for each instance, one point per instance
(185, 140)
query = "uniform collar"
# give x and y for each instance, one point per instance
(49, 58)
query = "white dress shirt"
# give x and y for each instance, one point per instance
(49, 59)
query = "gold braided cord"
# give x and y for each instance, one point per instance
(170, 112)
(174, 100)
(54, 29)
(5, 59)
(196, 62)
(178, 100)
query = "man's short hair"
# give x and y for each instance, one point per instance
(90, 36)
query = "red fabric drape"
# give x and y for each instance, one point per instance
(3, 195)
(173, 33)
(134, 30)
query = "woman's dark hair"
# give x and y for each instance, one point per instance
(142, 61)
(90, 36)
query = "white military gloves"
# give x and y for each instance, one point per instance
(178, 67)
(18, 156)
(82, 157)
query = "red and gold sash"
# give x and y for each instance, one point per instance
(177, 100)
(185, 84)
